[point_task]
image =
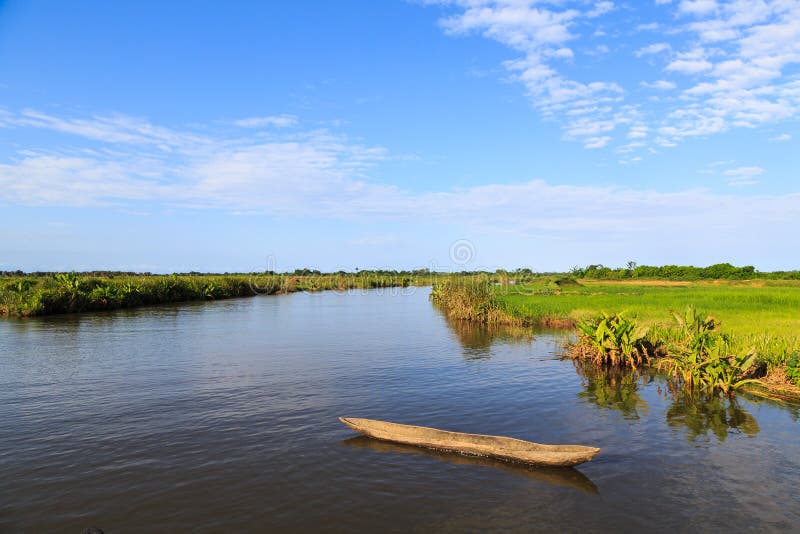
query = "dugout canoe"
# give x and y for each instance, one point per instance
(500, 447)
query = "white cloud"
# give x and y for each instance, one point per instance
(600, 8)
(661, 85)
(691, 62)
(722, 163)
(754, 44)
(697, 7)
(638, 131)
(742, 176)
(651, 49)
(745, 172)
(540, 33)
(218, 170)
(46, 180)
(597, 142)
(323, 175)
(782, 138)
(739, 57)
(110, 128)
(278, 121)
(649, 27)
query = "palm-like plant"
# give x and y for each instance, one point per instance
(69, 281)
(611, 339)
(703, 357)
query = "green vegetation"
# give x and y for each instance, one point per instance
(634, 322)
(763, 308)
(611, 339)
(793, 369)
(53, 293)
(702, 358)
(469, 298)
(720, 271)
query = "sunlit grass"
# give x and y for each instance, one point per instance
(765, 308)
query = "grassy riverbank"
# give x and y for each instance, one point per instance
(764, 307)
(55, 293)
(755, 332)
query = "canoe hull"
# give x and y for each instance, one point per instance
(500, 447)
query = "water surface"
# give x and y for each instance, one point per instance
(207, 417)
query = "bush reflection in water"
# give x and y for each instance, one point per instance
(701, 415)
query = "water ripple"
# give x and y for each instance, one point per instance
(223, 416)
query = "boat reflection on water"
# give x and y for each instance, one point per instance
(558, 476)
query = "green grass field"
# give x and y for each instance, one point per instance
(741, 308)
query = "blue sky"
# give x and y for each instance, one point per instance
(170, 136)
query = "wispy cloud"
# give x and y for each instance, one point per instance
(743, 52)
(597, 142)
(661, 85)
(652, 49)
(323, 174)
(132, 159)
(691, 62)
(782, 138)
(109, 128)
(735, 61)
(742, 176)
(277, 121)
(541, 33)
(697, 7)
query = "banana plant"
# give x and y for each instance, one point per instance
(611, 339)
(69, 281)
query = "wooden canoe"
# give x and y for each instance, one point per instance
(502, 448)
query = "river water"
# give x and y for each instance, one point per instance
(222, 416)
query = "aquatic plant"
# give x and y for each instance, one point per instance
(760, 318)
(611, 339)
(20, 286)
(69, 281)
(793, 369)
(701, 357)
(470, 299)
(103, 295)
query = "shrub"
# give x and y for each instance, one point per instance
(611, 339)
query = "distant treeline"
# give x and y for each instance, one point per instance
(719, 271)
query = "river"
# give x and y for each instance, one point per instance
(222, 416)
